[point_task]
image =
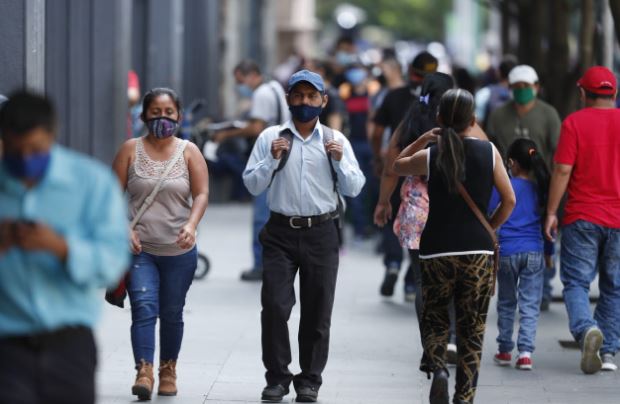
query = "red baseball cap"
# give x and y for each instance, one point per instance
(598, 80)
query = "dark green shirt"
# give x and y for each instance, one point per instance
(541, 124)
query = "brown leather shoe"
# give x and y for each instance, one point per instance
(143, 387)
(167, 378)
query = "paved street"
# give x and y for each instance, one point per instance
(375, 347)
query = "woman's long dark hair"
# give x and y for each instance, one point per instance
(525, 152)
(456, 111)
(422, 115)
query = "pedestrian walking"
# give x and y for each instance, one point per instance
(63, 236)
(268, 108)
(457, 260)
(389, 116)
(413, 210)
(527, 116)
(521, 268)
(587, 164)
(304, 166)
(167, 184)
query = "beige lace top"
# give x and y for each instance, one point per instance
(159, 228)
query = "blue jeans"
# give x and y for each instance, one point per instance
(520, 283)
(586, 247)
(157, 288)
(260, 216)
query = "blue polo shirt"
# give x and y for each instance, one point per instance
(80, 199)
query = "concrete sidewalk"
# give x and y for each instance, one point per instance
(375, 347)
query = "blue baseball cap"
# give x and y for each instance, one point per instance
(315, 80)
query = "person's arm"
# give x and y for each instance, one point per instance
(199, 184)
(559, 183)
(389, 181)
(505, 191)
(120, 166)
(412, 160)
(263, 161)
(121, 162)
(97, 253)
(252, 129)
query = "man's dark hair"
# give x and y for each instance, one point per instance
(594, 96)
(345, 40)
(246, 67)
(25, 111)
(506, 65)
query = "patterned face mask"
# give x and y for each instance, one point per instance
(162, 127)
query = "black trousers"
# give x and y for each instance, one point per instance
(314, 252)
(52, 368)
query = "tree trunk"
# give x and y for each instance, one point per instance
(614, 6)
(556, 84)
(586, 36)
(531, 23)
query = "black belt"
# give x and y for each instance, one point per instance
(302, 222)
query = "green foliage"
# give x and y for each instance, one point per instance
(407, 19)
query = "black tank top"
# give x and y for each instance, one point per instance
(452, 228)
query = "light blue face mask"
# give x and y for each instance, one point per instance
(356, 75)
(244, 91)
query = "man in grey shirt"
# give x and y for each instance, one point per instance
(269, 108)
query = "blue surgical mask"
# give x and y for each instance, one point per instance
(162, 127)
(31, 167)
(345, 58)
(356, 75)
(305, 113)
(244, 90)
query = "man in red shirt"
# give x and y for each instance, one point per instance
(587, 162)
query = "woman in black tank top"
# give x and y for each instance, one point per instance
(455, 249)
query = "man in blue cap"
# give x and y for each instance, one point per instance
(305, 167)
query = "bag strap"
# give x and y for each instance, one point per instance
(474, 208)
(288, 135)
(149, 199)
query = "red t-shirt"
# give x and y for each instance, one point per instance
(590, 142)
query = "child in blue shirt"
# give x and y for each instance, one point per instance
(521, 270)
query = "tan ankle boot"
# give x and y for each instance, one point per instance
(167, 378)
(143, 387)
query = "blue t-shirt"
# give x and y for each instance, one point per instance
(522, 232)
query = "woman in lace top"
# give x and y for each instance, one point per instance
(163, 241)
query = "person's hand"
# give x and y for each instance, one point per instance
(334, 149)
(187, 237)
(383, 213)
(6, 236)
(40, 237)
(551, 227)
(432, 136)
(219, 137)
(279, 146)
(134, 244)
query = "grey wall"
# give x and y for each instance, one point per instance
(87, 48)
(12, 45)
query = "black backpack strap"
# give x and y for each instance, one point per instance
(288, 135)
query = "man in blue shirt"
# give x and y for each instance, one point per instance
(63, 235)
(304, 166)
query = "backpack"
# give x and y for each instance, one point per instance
(328, 135)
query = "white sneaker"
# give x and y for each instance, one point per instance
(591, 344)
(452, 355)
(608, 363)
